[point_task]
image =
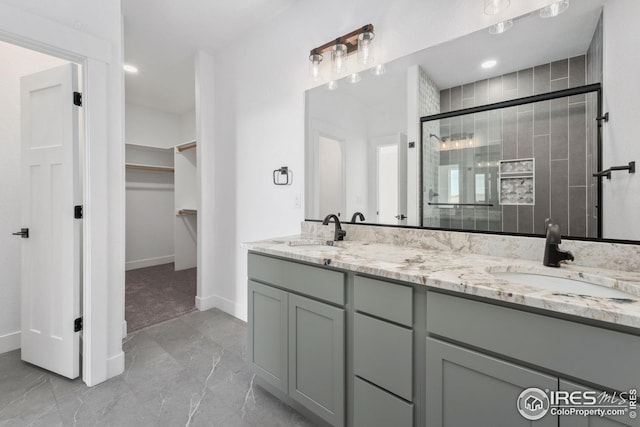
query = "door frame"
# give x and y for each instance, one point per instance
(102, 181)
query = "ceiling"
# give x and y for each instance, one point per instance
(162, 36)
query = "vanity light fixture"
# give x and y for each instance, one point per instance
(378, 70)
(489, 63)
(315, 71)
(365, 52)
(554, 9)
(493, 7)
(339, 53)
(354, 78)
(131, 69)
(359, 40)
(501, 27)
(332, 85)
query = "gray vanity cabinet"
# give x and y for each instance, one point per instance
(316, 357)
(296, 333)
(268, 340)
(593, 421)
(466, 388)
(383, 353)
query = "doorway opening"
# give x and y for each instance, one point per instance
(40, 233)
(161, 215)
(331, 173)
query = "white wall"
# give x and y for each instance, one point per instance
(259, 111)
(188, 126)
(621, 194)
(154, 128)
(16, 62)
(342, 117)
(94, 30)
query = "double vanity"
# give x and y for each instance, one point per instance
(406, 327)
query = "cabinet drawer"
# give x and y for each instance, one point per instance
(315, 282)
(593, 354)
(383, 355)
(384, 299)
(373, 407)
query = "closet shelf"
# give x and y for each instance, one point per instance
(188, 212)
(186, 146)
(152, 168)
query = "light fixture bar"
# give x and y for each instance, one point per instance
(350, 40)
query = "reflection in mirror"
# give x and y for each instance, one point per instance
(508, 169)
(464, 171)
(357, 149)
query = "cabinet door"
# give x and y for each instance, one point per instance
(594, 421)
(316, 357)
(268, 334)
(469, 389)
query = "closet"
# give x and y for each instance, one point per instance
(162, 200)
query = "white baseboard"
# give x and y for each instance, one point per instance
(115, 365)
(149, 262)
(223, 304)
(9, 342)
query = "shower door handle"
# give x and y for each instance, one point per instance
(24, 233)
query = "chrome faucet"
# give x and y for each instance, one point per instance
(355, 217)
(339, 233)
(552, 255)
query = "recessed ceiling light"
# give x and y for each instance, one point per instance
(489, 63)
(130, 68)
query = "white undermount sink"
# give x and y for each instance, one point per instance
(563, 285)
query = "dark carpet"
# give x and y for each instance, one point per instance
(155, 294)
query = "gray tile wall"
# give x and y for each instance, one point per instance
(429, 103)
(553, 132)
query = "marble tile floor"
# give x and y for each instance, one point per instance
(188, 371)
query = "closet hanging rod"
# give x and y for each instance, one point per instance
(187, 146)
(187, 212)
(149, 168)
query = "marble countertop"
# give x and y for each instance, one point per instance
(470, 274)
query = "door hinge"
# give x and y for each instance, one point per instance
(77, 212)
(77, 324)
(77, 99)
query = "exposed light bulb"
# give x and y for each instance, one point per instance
(554, 9)
(315, 71)
(354, 78)
(501, 27)
(365, 51)
(339, 58)
(493, 7)
(332, 85)
(378, 70)
(131, 69)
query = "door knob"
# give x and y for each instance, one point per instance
(401, 216)
(24, 233)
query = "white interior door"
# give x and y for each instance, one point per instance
(50, 189)
(387, 183)
(330, 176)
